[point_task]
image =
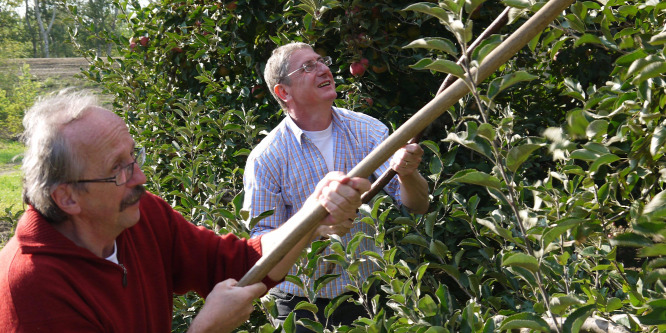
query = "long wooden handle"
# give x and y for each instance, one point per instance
(309, 217)
(494, 27)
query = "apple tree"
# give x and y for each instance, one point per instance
(546, 182)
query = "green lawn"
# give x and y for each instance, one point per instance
(10, 175)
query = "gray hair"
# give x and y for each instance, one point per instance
(49, 158)
(278, 65)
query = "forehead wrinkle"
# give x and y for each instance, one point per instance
(99, 130)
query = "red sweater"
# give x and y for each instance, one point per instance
(49, 284)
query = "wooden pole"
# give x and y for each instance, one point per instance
(494, 27)
(311, 216)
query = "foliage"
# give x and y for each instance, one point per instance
(10, 183)
(14, 101)
(13, 40)
(546, 182)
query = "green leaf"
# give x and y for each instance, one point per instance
(577, 123)
(559, 305)
(313, 326)
(576, 319)
(575, 23)
(434, 11)
(562, 226)
(658, 139)
(651, 70)
(446, 66)
(502, 232)
(427, 306)
(658, 39)
(463, 31)
(335, 303)
(584, 154)
(438, 248)
(603, 160)
(518, 155)
(628, 59)
(322, 281)
(657, 206)
(304, 305)
(630, 240)
(597, 129)
(486, 131)
(521, 260)
(414, 239)
(588, 39)
(436, 329)
(658, 314)
(295, 280)
(613, 304)
(524, 320)
(434, 43)
(655, 275)
(478, 145)
(421, 64)
(500, 84)
(476, 177)
(655, 250)
(517, 3)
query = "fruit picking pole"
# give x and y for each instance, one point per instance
(310, 216)
(494, 27)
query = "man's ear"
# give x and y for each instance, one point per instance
(281, 92)
(66, 198)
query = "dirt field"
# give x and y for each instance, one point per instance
(49, 67)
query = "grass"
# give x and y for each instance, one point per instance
(10, 175)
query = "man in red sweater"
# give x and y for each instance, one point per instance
(94, 252)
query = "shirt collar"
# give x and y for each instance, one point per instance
(298, 132)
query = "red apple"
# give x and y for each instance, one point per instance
(258, 92)
(357, 69)
(365, 62)
(369, 101)
(232, 5)
(132, 44)
(144, 41)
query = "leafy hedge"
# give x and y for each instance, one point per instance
(546, 182)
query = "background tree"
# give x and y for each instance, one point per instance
(13, 38)
(45, 25)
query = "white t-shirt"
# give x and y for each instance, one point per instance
(114, 256)
(323, 141)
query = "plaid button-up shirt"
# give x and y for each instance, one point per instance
(284, 169)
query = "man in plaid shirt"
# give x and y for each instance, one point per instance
(316, 138)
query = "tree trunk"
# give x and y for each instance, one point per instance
(109, 46)
(44, 32)
(30, 29)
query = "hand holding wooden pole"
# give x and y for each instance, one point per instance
(311, 216)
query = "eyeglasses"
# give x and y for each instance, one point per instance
(125, 174)
(311, 65)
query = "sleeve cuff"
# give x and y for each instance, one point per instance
(255, 255)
